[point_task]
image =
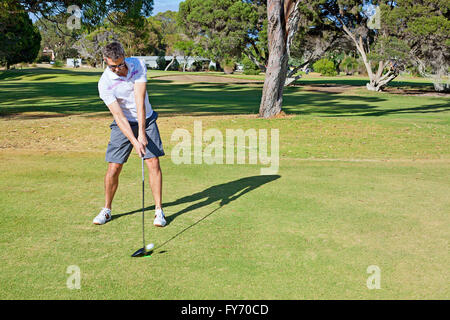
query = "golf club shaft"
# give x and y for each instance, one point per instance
(143, 203)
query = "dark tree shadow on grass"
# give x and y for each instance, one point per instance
(362, 83)
(68, 95)
(435, 108)
(15, 74)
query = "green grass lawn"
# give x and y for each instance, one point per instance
(363, 180)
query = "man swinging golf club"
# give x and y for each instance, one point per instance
(122, 87)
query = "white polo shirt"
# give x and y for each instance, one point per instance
(112, 87)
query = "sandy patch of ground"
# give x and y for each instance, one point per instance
(416, 92)
(334, 89)
(324, 88)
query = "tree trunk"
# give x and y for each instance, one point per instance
(260, 65)
(440, 82)
(282, 18)
(440, 85)
(377, 81)
(291, 77)
(171, 62)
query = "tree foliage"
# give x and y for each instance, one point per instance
(405, 29)
(425, 26)
(90, 44)
(144, 39)
(171, 32)
(249, 67)
(94, 13)
(353, 18)
(226, 28)
(58, 37)
(19, 38)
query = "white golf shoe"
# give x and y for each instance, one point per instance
(103, 217)
(160, 220)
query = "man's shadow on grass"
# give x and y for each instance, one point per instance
(225, 192)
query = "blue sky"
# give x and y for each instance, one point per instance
(164, 5)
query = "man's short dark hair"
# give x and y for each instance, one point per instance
(114, 51)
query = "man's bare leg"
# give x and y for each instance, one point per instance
(155, 177)
(111, 182)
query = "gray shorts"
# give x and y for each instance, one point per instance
(119, 147)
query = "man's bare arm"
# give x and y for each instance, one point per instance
(140, 89)
(125, 127)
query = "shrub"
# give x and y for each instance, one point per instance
(362, 71)
(196, 66)
(325, 67)
(58, 64)
(228, 65)
(161, 61)
(349, 65)
(43, 59)
(252, 72)
(249, 67)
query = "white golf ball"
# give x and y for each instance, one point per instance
(150, 246)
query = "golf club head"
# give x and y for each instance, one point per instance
(140, 253)
(144, 251)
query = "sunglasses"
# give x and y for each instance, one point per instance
(120, 66)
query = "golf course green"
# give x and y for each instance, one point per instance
(363, 180)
